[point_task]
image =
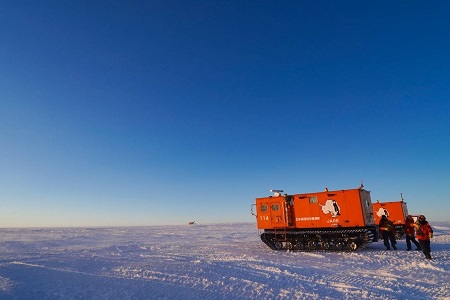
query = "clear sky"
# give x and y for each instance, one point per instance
(164, 112)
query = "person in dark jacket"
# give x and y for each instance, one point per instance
(387, 232)
(424, 233)
(410, 233)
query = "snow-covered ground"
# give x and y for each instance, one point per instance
(221, 261)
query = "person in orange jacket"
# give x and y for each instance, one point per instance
(410, 233)
(424, 233)
(387, 232)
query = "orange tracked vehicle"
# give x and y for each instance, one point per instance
(328, 221)
(396, 211)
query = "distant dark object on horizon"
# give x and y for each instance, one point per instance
(192, 223)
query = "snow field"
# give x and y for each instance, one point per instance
(219, 261)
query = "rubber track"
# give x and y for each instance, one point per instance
(367, 239)
(267, 242)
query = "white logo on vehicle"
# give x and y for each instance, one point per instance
(382, 212)
(331, 207)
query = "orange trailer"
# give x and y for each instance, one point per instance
(329, 220)
(396, 211)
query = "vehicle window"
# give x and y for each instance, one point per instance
(313, 200)
(275, 207)
(264, 207)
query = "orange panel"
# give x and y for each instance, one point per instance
(396, 211)
(342, 208)
(271, 212)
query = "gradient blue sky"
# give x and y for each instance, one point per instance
(164, 112)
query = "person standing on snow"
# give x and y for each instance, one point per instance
(410, 233)
(424, 233)
(387, 232)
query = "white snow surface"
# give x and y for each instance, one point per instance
(219, 261)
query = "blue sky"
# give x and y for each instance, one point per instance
(164, 112)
